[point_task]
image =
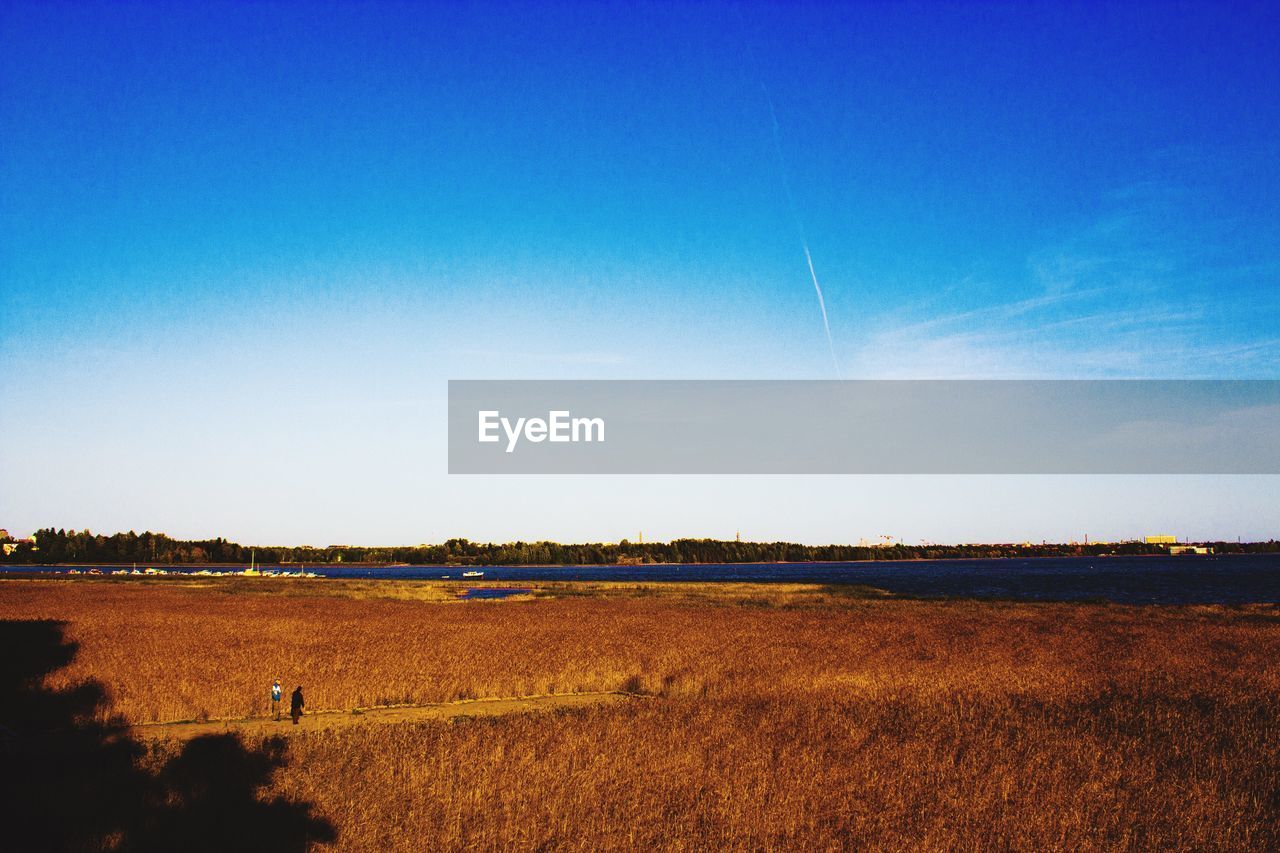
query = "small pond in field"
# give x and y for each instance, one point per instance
(494, 592)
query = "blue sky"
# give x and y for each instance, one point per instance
(242, 248)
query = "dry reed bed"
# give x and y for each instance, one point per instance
(173, 653)
(1119, 770)
(878, 724)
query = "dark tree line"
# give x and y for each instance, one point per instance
(81, 546)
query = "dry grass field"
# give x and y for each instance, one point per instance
(780, 718)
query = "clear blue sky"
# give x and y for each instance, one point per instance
(242, 248)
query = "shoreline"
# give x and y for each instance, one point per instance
(35, 567)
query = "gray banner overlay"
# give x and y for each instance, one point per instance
(864, 427)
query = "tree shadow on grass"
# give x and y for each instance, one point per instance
(73, 778)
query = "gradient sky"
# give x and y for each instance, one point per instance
(243, 247)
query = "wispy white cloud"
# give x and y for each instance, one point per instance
(1127, 296)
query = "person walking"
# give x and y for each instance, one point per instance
(295, 704)
(276, 695)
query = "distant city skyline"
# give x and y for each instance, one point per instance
(243, 248)
(883, 541)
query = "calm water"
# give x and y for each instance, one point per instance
(495, 591)
(1129, 580)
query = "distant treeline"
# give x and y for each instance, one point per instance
(81, 546)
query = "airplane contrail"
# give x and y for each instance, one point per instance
(795, 216)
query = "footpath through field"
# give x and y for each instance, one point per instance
(316, 720)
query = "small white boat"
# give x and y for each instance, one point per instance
(473, 574)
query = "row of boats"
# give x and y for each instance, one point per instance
(250, 573)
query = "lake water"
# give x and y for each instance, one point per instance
(1236, 579)
(495, 591)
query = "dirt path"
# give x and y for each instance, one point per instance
(316, 720)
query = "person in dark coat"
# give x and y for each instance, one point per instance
(295, 704)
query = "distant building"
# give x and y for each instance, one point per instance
(1190, 549)
(1161, 539)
